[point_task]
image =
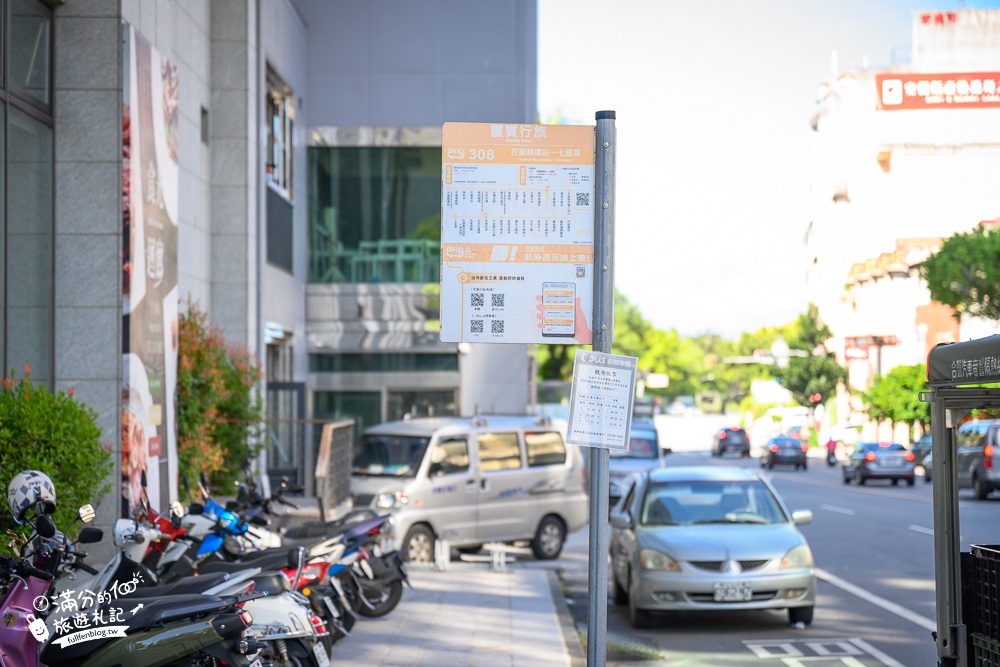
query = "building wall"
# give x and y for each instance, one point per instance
(88, 218)
(391, 72)
(880, 176)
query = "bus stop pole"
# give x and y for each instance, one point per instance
(603, 327)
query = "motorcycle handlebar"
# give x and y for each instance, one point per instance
(31, 571)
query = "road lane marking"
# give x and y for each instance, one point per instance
(891, 607)
(887, 660)
(921, 529)
(839, 510)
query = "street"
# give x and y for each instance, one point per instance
(873, 551)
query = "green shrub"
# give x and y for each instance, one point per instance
(219, 411)
(58, 435)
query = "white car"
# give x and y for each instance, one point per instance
(709, 538)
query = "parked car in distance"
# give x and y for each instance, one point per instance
(643, 453)
(880, 460)
(785, 450)
(709, 538)
(731, 440)
(977, 456)
(921, 448)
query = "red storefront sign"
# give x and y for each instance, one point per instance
(941, 90)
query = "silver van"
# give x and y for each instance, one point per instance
(471, 480)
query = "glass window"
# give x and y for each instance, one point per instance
(30, 50)
(421, 404)
(696, 502)
(389, 455)
(450, 456)
(29, 246)
(498, 451)
(280, 122)
(365, 407)
(375, 214)
(382, 363)
(544, 449)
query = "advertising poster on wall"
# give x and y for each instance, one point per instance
(149, 271)
(517, 233)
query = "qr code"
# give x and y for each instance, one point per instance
(497, 300)
(477, 299)
(476, 326)
(583, 199)
(496, 326)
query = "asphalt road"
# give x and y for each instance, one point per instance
(873, 549)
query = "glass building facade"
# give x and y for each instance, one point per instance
(26, 190)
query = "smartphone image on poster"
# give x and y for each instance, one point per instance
(558, 309)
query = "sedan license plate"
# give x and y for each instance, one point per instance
(892, 461)
(321, 657)
(733, 592)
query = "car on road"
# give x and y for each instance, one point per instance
(709, 538)
(733, 439)
(977, 457)
(880, 460)
(921, 448)
(785, 450)
(643, 453)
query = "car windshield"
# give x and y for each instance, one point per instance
(685, 503)
(787, 443)
(639, 447)
(389, 455)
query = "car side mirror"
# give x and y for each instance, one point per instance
(436, 469)
(802, 517)
(620, 520)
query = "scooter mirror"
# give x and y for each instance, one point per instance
(89, 535)
(296, 557)
(44, 526)
(177, 508)
(87, 513)
(142, 479)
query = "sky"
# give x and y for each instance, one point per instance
(713, 101)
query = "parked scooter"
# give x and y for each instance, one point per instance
(185, 630)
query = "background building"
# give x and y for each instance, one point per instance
(903, 158)
(299, 131)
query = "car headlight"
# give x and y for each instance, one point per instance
(391, 500)
(797, 557)
(654, 560)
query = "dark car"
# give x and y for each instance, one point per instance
(784, 450)
(880, 460)
(733, 439)
(977, 456)
(921, 448)
(643, 453)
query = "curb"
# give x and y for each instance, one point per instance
(571, 639)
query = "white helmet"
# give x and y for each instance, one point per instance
(28, 489)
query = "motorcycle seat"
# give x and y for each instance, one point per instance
(184, 585)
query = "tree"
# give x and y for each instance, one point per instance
(965, 273)
(896, 397)
(813, 377)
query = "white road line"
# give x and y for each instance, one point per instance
(887, 660)
(891, 607)
(921, 529)
(838, 510)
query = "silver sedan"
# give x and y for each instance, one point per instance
(709, 538)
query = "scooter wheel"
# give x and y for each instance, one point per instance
(391, 595)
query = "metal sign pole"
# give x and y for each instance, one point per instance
(603, 324)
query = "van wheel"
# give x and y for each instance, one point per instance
(419, 545)
(549, 539)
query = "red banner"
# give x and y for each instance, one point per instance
(914, 90)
